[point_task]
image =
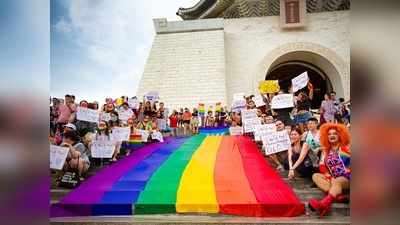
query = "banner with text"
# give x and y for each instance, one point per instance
(58, 155)
(235, 130)
(300, 81)
(282, 101)
(133, 103)
(89, 115)
(102, 148)
(276, 142)
(156, 135)
(268, 86)
(258, 100)
(263, 130)
(120, 133)
(250, 120)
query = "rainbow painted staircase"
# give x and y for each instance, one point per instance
(206, 173)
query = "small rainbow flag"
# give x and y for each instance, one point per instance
(201, 108)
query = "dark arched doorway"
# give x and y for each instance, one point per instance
(286, 71)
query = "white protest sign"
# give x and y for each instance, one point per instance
(161, 124)
(238, 105)
(102, 148)
(105, 116)
(58, 155)
(144, 133)
(300, 81)
(259, 101)
(276, 142)
(238, 96)
(88, 115)
(157, 135)
(250, 120)
(124, 115)
(120, 133)
(151, 96)
(236, 130)
(263, 130)
(282, 101)
(133, 103)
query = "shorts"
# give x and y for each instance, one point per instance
(186, 121)
(194, 121)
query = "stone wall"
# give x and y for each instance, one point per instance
(186, 68)
(210, 60)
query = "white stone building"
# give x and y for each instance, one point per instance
(224, 47)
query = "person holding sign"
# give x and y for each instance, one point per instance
(335, 172)
(103, 134)
(303, 106)
(194, 122)
(78, 156)
(298, 163)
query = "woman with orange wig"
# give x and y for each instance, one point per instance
(335, 167)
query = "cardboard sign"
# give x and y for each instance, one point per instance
(282, 101)
(120, 133)
(258, 100)
(238, 105)
(102, 148)
(276, 142)
(268, 86)
(300, 81)
(133, 103)
(250, 120)
(263, 130)
(105, 116)
(161, 124)
(124, 115)
(151, 96)
(238, 96)
(144, 133)
(58, 155)
(89, 115)
(157, 135)
(235, 130)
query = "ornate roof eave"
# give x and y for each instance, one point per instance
(204, 9)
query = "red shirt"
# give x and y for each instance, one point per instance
(173, 121)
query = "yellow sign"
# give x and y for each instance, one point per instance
(268, 86)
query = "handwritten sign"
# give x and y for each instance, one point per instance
(58, 155)
(268, 86)
(151, 96)
(238, 105)
(120, 133)
(133, 103)
(250, 120)
(300, 81)
(263, 130)
(238, 96)
(282, 101)
(236, 130)
(89, 115)
(157, 136)
(161, 124)
(276, 142)
(105, 116)
(144, 133)
(102, 148)
(258, 100)
(124, 115)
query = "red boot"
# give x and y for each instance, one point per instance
(323, 206)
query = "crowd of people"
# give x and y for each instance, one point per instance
(319, 141)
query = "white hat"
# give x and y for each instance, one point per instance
(70, 125)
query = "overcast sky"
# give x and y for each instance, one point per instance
(99, 47)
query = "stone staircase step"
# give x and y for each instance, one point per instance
(198, 219)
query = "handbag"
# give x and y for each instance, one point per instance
(70, 179)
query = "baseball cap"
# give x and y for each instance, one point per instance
(70, 125)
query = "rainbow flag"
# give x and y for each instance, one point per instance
(202, 109)
(201, 174)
